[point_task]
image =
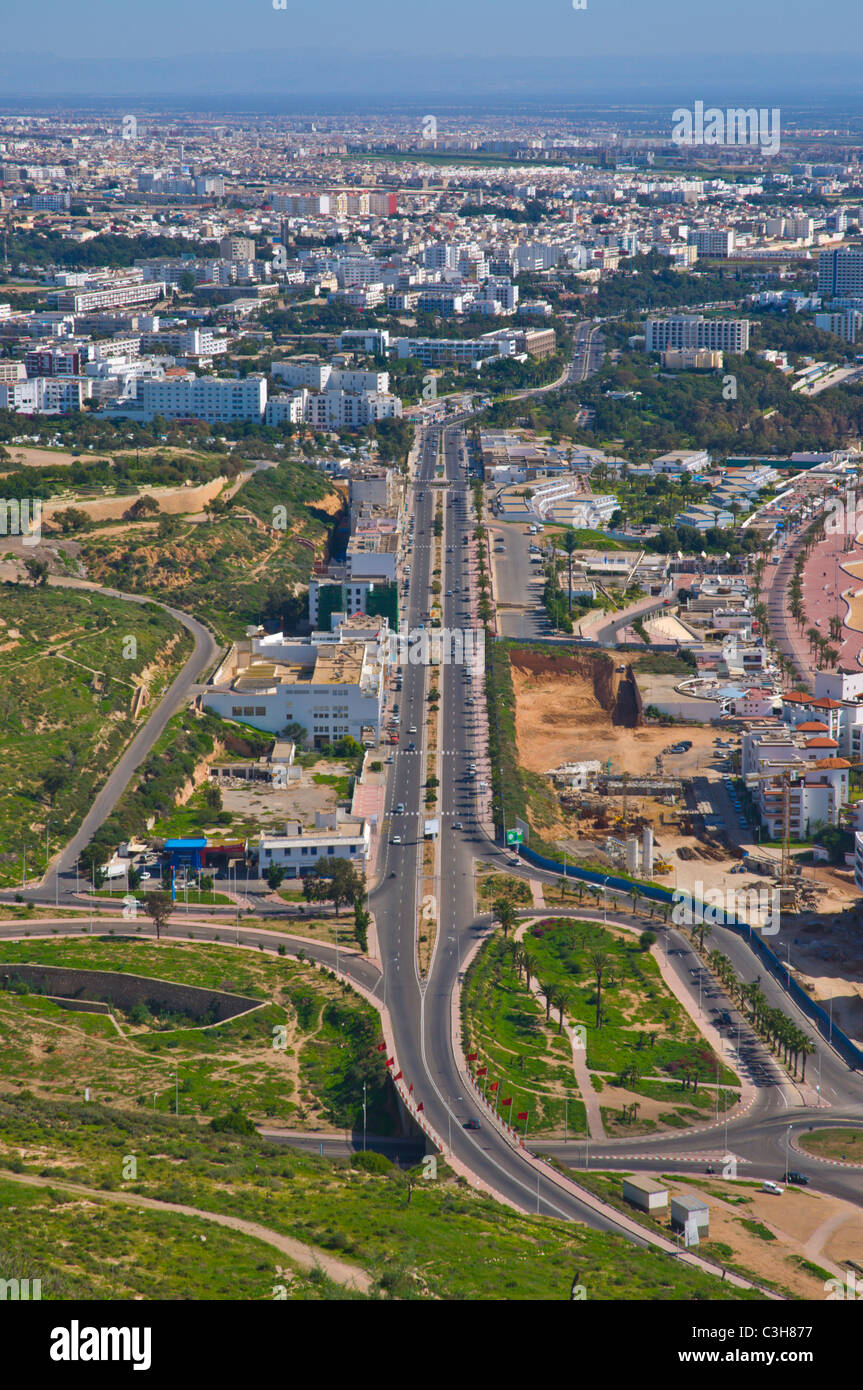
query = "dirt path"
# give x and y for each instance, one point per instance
(308, 1257)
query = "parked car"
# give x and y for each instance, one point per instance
(773, 1188)
(799, 1179)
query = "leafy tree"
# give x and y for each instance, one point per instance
(159, 907)
(37, 571)
(334, 880)
(275, 875)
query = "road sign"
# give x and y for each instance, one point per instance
(514, 837)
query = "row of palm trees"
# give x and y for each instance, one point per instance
(555, 994)
(780, 1032)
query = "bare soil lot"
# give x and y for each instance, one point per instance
(578, 706)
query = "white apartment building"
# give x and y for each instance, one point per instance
(322, 376)
(332, 409)
(693, 331)
(107, 297)
(433, 352)
(42, 395)
(679, 461)
(332, 686)
(210, 398)
(819, 783)
(846, 324)
(441, 255)
(194, 342)
(712, 243)
(299, 852)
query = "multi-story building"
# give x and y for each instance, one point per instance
(332, 685)
(301, 850)
(237, 248)
(210, 398)
(712, 243)
(693, 331)
(52, 362)
(803, 766)
(107, 297)
(846, 324)
(42, 396)
(840, 272)
(321, 376)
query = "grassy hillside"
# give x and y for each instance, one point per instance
(418, 1239)
(70, 663)
(316, 1079)
(227, 570)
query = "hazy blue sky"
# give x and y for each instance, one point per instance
(241, 45)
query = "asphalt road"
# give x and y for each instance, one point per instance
(174, 699)
(420, 1009)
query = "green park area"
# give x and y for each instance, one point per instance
(649, 1064)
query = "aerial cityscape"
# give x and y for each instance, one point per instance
(431, 664)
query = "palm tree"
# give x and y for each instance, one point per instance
(570, 545)
(560, 1002)
(505, 913)
(549, 991)
(600, 960)
(806, 1048)
(529, 963)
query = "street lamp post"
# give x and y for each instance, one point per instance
(364, 1117)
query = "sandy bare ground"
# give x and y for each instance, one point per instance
(560, 719)
(820, 1228)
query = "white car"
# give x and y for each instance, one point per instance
(772, 1187)
(396, 840)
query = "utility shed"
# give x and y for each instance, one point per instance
(645, 1194)
(691, 1206)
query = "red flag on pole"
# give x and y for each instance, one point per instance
(508, 1101)
(382, 1047)
(522, 1116)
(391, 1061)
(420, 1106)
(472, 1056)
(411, 1089)
(494, 1085)
(482, 1071)
(398, 1076)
